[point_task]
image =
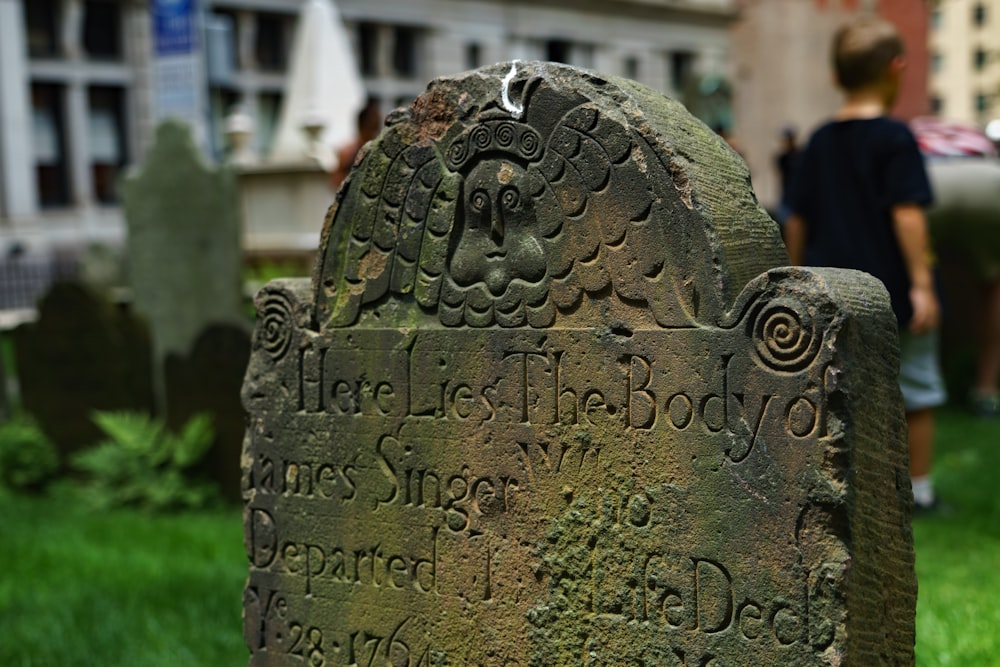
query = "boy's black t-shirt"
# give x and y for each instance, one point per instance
(848, 179)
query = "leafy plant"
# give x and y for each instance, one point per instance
(143, 464)
(28, 459)
(261, 273)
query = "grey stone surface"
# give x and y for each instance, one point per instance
(550, 400)
(183, 243)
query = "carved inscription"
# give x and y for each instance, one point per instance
(544, 388)
(468, 456)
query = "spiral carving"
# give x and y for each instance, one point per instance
(529, 143)
(457, 152)
(277, 325)
(505, 135)
(481, 137)
(786, 337)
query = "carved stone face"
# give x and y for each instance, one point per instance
(498, 242)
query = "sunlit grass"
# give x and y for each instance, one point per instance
(119, 588)
(958, 554)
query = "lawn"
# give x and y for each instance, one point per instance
(958, 605)
(119, 588)
(124, 588)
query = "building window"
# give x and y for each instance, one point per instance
(557, 51)
(404, 53)
(681, 70)
(982, 102)
(102, 30)
(631, 67)
(42, 18)
(936, 62)
(979, 15)
(106, 140)
(368, 48)
(49, 142)
(937, 105)
(268, 109)
(221, 45)
(583, 55)
(473, 56)
(222, 101)
(979, 57)
(271, 47)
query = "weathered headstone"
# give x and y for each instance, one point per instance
(183, 243)
(965, 226)
(208, 380)
(82, 354)
(547, 402)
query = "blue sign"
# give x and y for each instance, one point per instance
(174, 27)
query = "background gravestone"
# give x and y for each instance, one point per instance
(183, 244)
(208, 380)
(82, 354)
(547, 402)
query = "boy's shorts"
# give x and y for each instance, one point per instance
(919, 371)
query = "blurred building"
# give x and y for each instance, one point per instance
(912, 17)
(965, 60)
(783, 75)
(78, 90)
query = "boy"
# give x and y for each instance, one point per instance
(858, 202)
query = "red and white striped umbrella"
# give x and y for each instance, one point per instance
(938, 137)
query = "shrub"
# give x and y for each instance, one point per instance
(28, 459)
(143, 464)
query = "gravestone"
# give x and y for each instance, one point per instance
(183, 244)
(548, 401)
(208, 380)
(965, 226)
(82, 354)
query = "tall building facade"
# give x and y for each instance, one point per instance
(78, 85)
(965, 60)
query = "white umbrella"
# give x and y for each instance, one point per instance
(323, 91)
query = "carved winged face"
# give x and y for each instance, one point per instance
(497, 243)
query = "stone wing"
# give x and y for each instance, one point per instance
(396, 212)
(609, 184)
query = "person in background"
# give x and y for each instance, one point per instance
(858, 202)
(369, 124)
(785, 163)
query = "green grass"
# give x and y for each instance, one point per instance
(119, 588)
(124, 588)
(958, 555)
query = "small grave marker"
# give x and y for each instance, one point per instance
(81, 355)
(208, 380)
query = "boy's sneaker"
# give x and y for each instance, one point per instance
(986, 406)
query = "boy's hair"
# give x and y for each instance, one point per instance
(863, 50)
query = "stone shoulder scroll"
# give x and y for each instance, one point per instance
(549, 401)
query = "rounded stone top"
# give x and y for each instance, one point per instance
(525, 193)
